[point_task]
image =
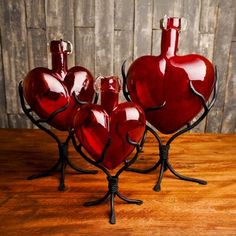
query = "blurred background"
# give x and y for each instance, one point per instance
(106, 32)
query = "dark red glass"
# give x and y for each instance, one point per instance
(48, 90)
(95, 124)
(153, 80)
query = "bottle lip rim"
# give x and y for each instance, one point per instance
(61, 46)
(176, 23)
(98, 87)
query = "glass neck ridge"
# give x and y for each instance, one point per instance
(170, 36)
(169, 42)
(59, 63)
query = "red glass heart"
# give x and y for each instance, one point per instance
(95, 124)
(155, 80)
(49, 90)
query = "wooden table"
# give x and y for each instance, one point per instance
(181, 208)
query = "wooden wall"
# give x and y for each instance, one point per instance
(104, 33)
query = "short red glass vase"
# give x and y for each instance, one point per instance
(95, 124)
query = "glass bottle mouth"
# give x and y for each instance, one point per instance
(107, 84)
(61, 46)
(176, 23)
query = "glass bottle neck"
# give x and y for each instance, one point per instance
(59, 63)
(169, 42)
(109, 100)
(109, 91)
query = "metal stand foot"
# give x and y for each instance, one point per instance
(111, 194)
(112, 179)
(146, 171)
(61, 165)
(182, 177)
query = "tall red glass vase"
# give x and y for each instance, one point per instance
(172, 90)
(165, 80)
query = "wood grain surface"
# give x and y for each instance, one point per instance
(181, 208)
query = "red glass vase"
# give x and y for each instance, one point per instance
(47, 90)
(95, 124)
(165, 79)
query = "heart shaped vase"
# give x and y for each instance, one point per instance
(47, 91)
(153, 81)
(94, 125)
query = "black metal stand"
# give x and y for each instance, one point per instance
(163, 161)
(63, 159)
(112, 179)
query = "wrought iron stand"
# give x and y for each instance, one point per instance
(63, 159)
(163, 161)
(112, 179)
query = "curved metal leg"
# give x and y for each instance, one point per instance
(98, 201)
(62, 186)
(157, 187)
(182, 177)
(112, 209)
(79, 170)
(145, 171)
(143, 140)
(132, 201)
(46, 173)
